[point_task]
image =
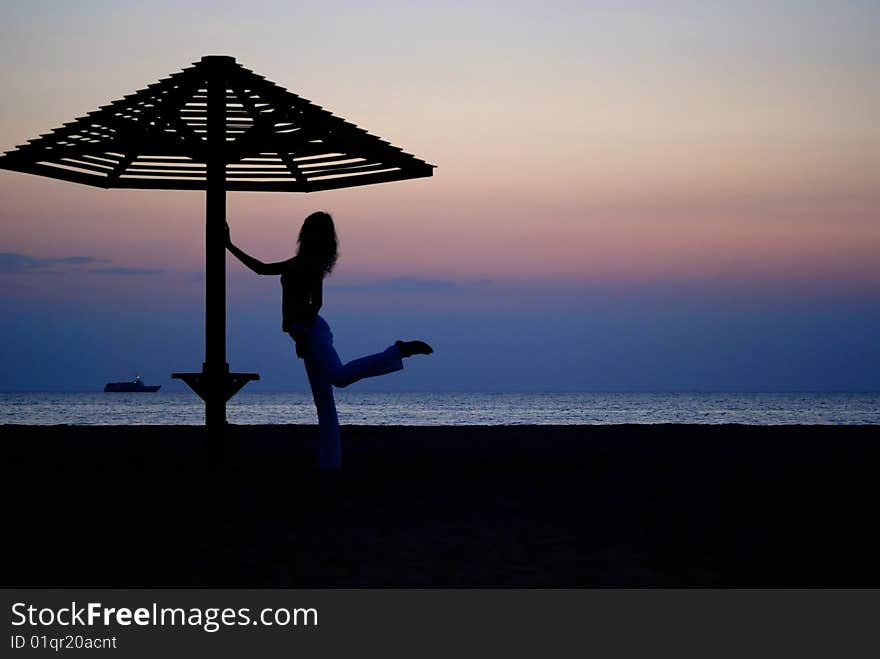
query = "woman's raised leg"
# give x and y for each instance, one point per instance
(326, 370)
(323, 356)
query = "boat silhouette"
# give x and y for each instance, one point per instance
(135, 386)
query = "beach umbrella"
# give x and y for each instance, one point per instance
(214, 126)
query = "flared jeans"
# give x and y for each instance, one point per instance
(325, 371)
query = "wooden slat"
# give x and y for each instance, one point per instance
(183, 160)
(137, 166)
(265, 167)
(319, 163)
(100, 160)
(202, 122)
(143, 169)
(192, 184)
(63, 174)
(102, 165)
(305, 159)
(259, 175)
(164, 161)
(129, 174)
(80, 165)
(200, 111)
(347, 170)
(36, 154)
(370, 179)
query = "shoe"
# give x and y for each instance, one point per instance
(410, 348)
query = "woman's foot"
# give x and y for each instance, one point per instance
(410, 348)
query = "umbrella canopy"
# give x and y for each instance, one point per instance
(273, 140)
(214, 126)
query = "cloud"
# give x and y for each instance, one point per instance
(13, 263)
(412, 285)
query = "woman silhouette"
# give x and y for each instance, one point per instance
(302, 278)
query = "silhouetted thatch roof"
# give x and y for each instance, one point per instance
(157, 138)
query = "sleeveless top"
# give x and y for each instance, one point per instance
(300, 294)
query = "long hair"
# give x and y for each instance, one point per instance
(317, 242)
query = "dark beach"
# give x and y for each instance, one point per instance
(471, 506)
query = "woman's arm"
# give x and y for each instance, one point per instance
(255, 264)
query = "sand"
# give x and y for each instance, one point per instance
(432, 507)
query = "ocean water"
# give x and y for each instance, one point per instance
(438, 409)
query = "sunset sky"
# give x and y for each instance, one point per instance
(628, 195)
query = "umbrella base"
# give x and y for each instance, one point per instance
(215, 388)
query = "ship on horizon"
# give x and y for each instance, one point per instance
(136, 385)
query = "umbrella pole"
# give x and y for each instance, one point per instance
(215, 384)
(215, 367)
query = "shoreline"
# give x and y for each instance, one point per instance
(552, 506)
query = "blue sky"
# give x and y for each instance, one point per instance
(487, 337)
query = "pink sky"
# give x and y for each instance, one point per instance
(655, 148)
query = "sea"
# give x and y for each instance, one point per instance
(448, 409)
